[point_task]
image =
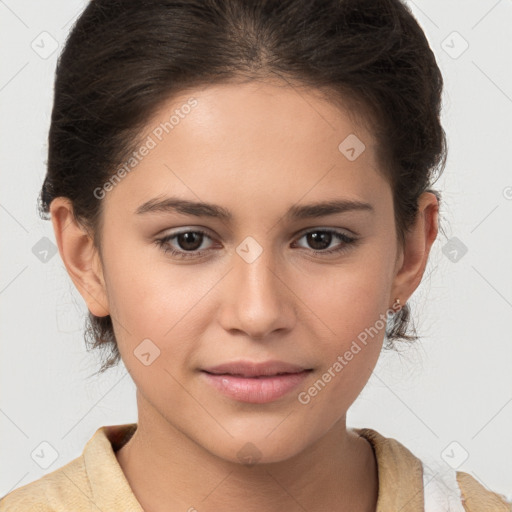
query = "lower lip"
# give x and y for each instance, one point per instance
(257, 390)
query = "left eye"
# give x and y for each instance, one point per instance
(190, 241)
(326, 236)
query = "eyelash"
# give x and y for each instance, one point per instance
(163, 243)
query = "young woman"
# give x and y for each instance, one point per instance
(240, 191)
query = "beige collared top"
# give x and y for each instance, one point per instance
(94, 481)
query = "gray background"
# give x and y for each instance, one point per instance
(449, 398)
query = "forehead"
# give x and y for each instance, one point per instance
(265, 140)
(260, 112)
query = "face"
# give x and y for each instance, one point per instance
(271, 281)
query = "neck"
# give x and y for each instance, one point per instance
(169, 471)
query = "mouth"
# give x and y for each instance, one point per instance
(249, 369)
(255, 382)
(254, 376)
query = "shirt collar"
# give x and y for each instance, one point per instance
(400, 474)
(110, 489)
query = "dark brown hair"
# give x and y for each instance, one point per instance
(124, 58)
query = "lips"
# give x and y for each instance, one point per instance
(250, 369)
(256, 383)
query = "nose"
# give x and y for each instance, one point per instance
(256, 297)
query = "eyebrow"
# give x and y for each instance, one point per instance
(296, 212)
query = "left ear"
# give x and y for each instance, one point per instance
(418, 242)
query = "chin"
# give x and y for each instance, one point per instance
(254, 448)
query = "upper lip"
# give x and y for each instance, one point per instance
(254, 369)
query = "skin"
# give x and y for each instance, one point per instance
(256, 149)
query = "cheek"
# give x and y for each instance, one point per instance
(153, 299)
(348, 306)
(145, 291)
(348, 298)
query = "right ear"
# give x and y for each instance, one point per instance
(80, 257)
